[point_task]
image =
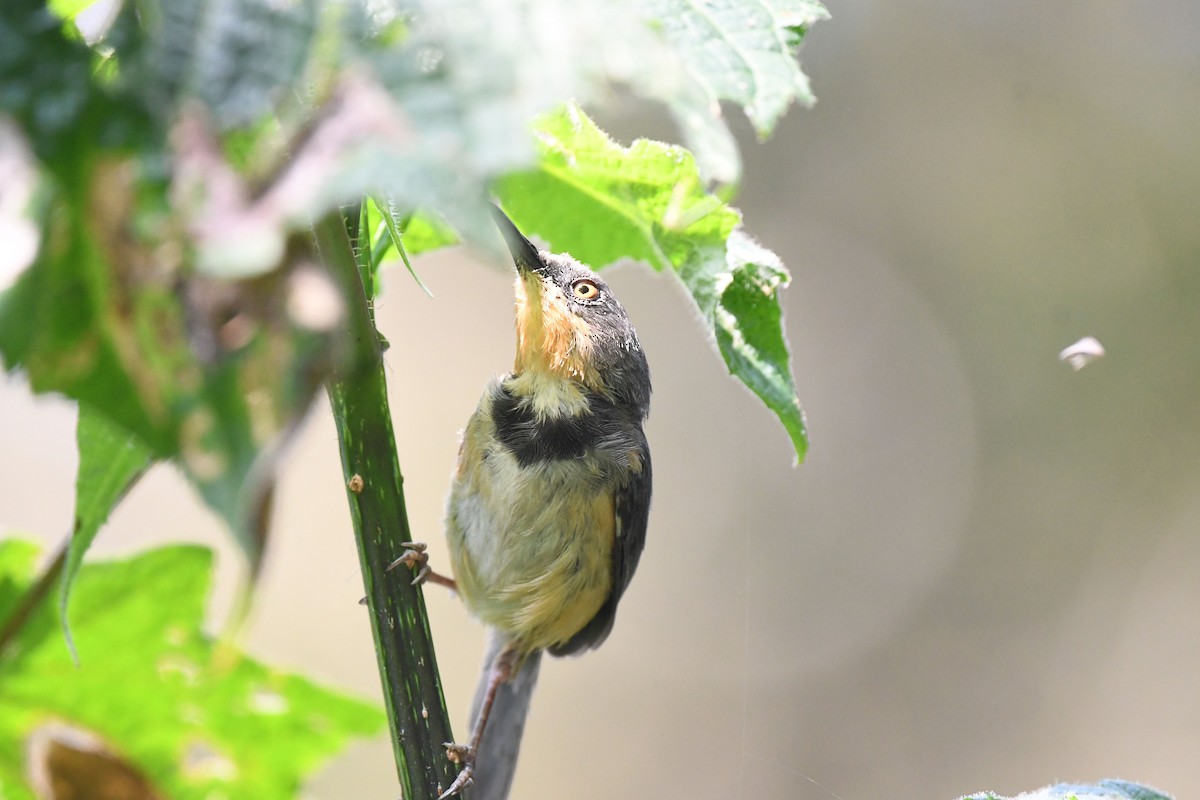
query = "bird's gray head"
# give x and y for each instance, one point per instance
(569, 324)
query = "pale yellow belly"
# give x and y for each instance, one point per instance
(531, 548)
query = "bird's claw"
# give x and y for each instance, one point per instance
(465, 756)
(415, 558)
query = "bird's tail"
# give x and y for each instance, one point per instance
(496, 761)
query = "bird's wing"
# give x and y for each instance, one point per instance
(631, 505)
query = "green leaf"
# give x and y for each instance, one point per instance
(69, 9)
(393, 226)
(1104, 790)
(749, 330)
(196, 721)
(743, 51)
(647, 202)
(17, 561)
(424, 232)
(241, 58)
(110, 462)
(181, 183)
(401, 237)
(644, 202)
(213, 373)
(46, 86)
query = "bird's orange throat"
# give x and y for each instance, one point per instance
(550, 339)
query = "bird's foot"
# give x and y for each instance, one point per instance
(415, 558)
(463, 755)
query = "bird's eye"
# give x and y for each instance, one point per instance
(585, 290)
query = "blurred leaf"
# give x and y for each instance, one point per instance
(647, 202)
(742, 51)
(46, 86)
(446, 91)
(472, 73)
(51, 320)
(17, 562)
(241, 58)
(215, 373)
(458, 91)
(69, 9)
(110, 462)
(63, 761)
(151, 690)
(176, 291)
(1104, 790)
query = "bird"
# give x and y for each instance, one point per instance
(549, 501)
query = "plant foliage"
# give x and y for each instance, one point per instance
(153, 695)
(185, 152)
(208, 252)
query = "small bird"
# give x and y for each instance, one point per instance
(546, 518)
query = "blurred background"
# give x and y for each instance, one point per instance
(987, 573)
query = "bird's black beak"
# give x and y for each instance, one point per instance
(524, 254)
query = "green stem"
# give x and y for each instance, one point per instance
(407, 665)
(32, 598)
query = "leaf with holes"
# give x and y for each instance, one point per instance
(743, 51)
(212, 372)
(151, 698)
